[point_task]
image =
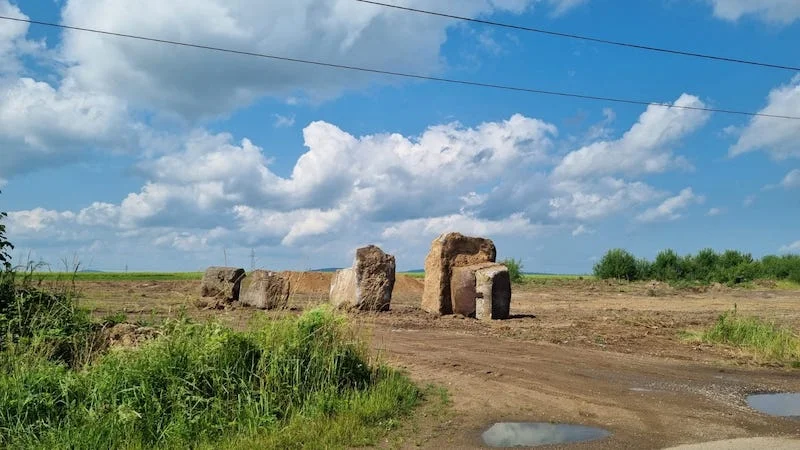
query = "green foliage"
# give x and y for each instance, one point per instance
(765, 340)
(5, 245)
(707, 266)
(668, 266)
(619, 264)
(296, 382)
(514, 269)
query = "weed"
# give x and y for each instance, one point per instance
(765, 340)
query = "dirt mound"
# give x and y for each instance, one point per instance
(129, 335)
(320, 283)
(404, 284)
(308, 282)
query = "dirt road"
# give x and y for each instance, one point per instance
(582, 352)
(646, 402)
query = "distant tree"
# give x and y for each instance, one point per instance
(5, 246)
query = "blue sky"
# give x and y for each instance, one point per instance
(124, 153)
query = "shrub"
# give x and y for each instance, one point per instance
(667, 266)
(49, 323)
(704, 264)
(5, 246)
(644, 270)
(730, 267)
(617, 263)
(514, 269)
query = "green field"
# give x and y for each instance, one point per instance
(116, 276)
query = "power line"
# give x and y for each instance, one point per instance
(401, 74)
(585, 38)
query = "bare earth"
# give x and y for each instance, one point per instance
(583, 352)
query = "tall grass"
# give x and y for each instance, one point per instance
(765, 340)
(299, 382)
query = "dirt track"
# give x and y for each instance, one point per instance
(583, 352)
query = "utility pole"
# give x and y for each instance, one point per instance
(252, 259)
(225, 255)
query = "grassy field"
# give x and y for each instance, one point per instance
(117, 276)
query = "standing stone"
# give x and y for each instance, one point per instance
(343, 288)
(222, 283)
(375, 272)
(368, 285)
(267, 290)
(463, 288)
(493, 288)
(448, 251)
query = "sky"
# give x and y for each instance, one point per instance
(126, 154)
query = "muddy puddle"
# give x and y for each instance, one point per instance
(783, 404)
(530, 434)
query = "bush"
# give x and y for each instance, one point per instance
(704, 264)
(617, 263)
(730, 267)
(5, 246)
(644, 270)
(667, 266)
(514, 269)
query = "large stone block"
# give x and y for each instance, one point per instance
(368, 285)
(448, 251)
(493, 289)
(343, 288)
(266, 290)
(375, 275)
(463, 288)
(222, 283)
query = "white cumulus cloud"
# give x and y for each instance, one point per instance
(778, 137)
(779, 11)
(194, 82)
(642, 149)
(672, 208)
(790, 248)
(791, 180)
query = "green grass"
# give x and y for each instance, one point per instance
(764, 340)
(298, 382)
(117, 276)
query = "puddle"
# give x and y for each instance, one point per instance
(638, 389)
(785, 405)
(529, 434)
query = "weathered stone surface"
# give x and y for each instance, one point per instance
(368, 285)
(493, 289)
(375, 272)
(448, 251)
(343, 288)
(266, 290)
(462, 288)
(222, 283)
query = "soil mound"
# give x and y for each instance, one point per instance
(320, 283)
